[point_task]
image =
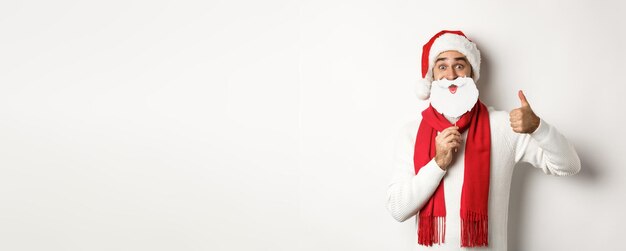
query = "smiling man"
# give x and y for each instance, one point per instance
(453, 165)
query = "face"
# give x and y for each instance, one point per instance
(451, 65)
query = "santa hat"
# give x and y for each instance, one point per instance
(445, 41)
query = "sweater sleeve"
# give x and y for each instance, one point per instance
(548, 150)
(407, 192)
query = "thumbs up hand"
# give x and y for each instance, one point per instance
(523, 119)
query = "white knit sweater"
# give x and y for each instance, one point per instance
(545, 148)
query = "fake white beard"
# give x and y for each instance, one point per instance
(454, 104)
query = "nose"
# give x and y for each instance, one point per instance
(450, 74)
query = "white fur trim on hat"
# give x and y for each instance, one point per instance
(422, 88)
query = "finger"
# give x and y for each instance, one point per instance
(455, 133)
(452, 128)
(457, 138)
(453, 145)
(449, 131)
(515, 112)
(452, 137)
(444, 134)
(522, 99)
(517, 128)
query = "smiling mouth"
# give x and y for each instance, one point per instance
(452, 89)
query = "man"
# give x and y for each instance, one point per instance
(453, 165)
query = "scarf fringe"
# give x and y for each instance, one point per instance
(431, 230)
(474, 229)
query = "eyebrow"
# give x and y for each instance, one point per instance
(455, 59)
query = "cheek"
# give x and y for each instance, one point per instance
(437, 74)
(464, 72)
(467, 71)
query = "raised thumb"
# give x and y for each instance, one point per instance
(522, 99)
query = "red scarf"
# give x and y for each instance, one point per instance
(475, 193)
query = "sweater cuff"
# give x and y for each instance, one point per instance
(433, 169)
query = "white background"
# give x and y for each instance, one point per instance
(267, 125)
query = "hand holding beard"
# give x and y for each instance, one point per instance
(446, 144)
(523, 119)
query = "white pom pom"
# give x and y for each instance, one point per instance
(422, 89)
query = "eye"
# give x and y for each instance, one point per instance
(442, 67)
(459, 67)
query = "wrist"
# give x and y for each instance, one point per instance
(441, 163)
(536, 122)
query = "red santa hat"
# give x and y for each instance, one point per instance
(445, 41)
